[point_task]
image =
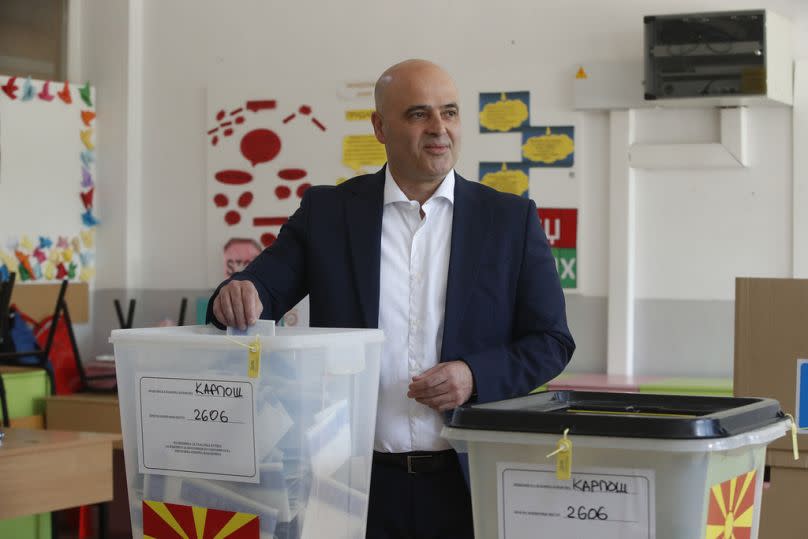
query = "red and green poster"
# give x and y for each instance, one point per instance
(561, 228)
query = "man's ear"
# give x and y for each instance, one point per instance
(376, 119)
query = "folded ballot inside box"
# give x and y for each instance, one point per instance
(274, 433)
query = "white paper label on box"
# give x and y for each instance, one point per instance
(607, 503)
(202, 428)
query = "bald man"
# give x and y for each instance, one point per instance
(460, 278)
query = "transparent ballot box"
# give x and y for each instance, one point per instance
(265, 436)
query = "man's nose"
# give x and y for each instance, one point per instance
(436, 124)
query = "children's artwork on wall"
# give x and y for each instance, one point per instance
(47, 180)
(264, 150)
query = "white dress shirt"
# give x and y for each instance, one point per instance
(413, 272)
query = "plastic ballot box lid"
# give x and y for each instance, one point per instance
(630, 415)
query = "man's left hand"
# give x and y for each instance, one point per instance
(443, 387)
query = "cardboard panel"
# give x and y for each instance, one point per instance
(771, 333)
(783, 504)
(39, 300)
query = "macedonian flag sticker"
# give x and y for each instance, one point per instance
(173, 521)
(732, 508)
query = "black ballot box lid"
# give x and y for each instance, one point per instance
(630, 415)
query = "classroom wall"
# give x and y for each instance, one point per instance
(697, 230)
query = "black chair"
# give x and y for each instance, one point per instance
(6, 346)
(130, 313)
(41, 354)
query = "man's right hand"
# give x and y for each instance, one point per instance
(237, 305)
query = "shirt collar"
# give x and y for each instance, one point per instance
(393, 193)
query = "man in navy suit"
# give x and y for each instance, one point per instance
(460, 278)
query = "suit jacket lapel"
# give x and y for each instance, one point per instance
(471, 223)
(363, 211)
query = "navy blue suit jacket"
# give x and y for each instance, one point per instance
(505, 312)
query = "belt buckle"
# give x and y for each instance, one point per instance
(410, 458)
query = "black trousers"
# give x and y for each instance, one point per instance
(432, 503)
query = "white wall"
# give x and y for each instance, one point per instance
(697, 230)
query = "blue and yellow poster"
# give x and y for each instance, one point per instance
(511, 178)
(504, 112)
(548, 146)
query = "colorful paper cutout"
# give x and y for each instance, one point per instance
(10, 88)
(87, 273)
(581, 73)
(87, 139)
(4, 273)
(8, 260)
(28, 91)
(64, 94)
(546, 146)
(88, 218)
(87, 258)
(511, 178)
(256, 105)
(163, 520)
(45, 94)
(40, 255)
(233, 177)
(260, 146)
(61, 271)
(291, 174)
(71, 270)
(26, 243)
(24, 263)
(86, 178)
(88, 238)
(245, 199)
(87, 198)
(87, 116)
(84, 92)
(67, 255)
(504, 112)
(49, 270)
(87, 158)
(44, 242)
(61, 243)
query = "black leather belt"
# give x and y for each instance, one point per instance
(417, 461)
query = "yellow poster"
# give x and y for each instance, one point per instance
(546, 146)
(503, 112)
(362, 150)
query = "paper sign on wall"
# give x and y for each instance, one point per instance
(608, 503)
(201, 428)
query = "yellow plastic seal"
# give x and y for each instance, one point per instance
(794, 447)
(253, 355)
(563, 455)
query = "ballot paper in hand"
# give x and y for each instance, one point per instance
(329, 439)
